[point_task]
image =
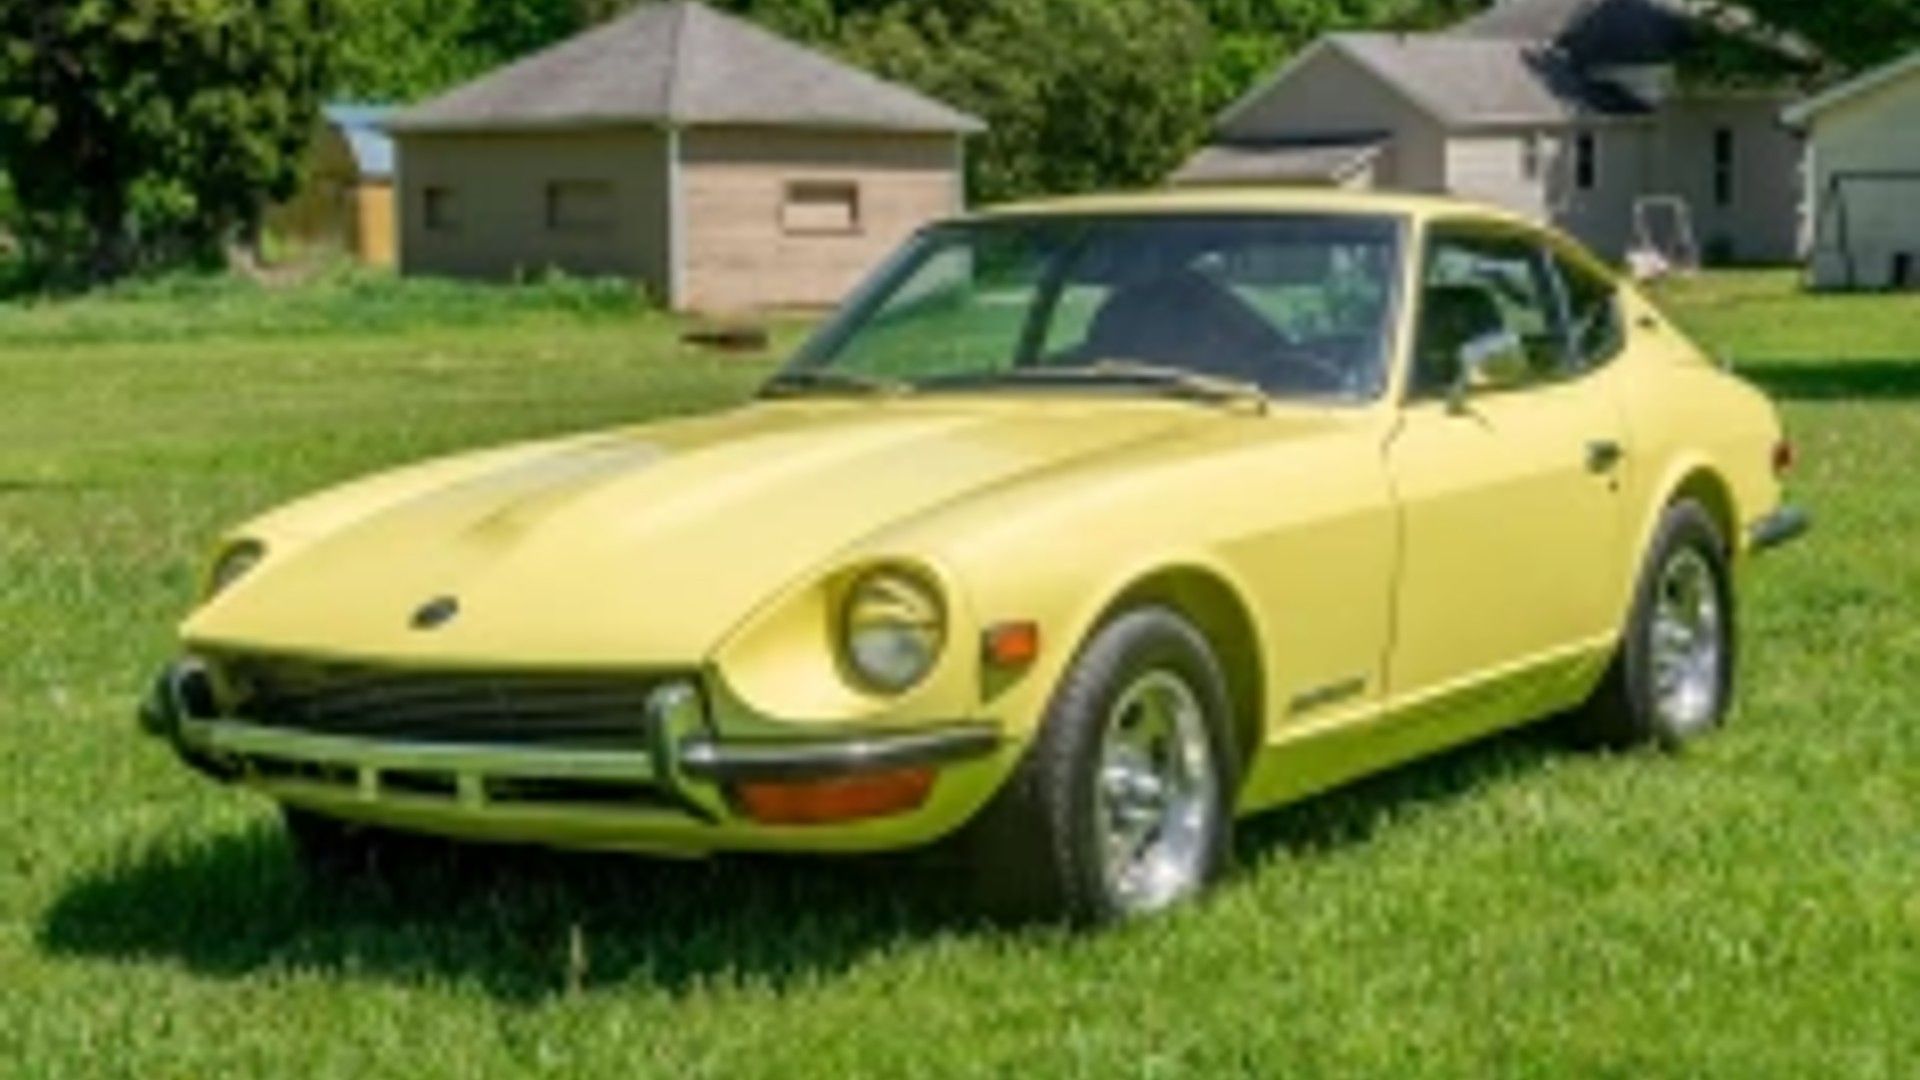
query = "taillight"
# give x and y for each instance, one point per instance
(1783, 457)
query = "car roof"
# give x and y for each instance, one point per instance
(1277, 199)
(1255, 199)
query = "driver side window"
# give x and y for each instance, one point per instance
(1477, 284)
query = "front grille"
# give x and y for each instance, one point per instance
(585, 711)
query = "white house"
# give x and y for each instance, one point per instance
(1576, 112)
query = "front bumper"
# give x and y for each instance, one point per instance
(672, 797)
(1785, 524)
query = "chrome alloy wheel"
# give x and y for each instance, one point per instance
(1688, 649)
(1155, 794)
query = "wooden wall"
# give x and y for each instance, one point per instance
(740, 249)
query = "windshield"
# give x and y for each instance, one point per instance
(1282, 305)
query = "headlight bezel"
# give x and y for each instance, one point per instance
(891, 598)
(235, 561)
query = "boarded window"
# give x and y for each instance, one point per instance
(439, 208)
(821, 206)
(1586, 161)
(1723, 167)
(580, 205)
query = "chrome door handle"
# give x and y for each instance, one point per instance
(1603, 455)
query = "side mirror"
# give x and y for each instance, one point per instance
(1495, 360)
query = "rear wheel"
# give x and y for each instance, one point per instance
(1672, 679)
(1123, 803)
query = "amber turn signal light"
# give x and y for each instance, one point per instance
(1011, 644)
(842, 798)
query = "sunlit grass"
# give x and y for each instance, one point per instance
(1750, 909)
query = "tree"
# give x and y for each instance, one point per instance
(137, 132)
(1077, 94)
(1854, 36)
(403, 50)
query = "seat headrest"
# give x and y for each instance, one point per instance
(1457, 314)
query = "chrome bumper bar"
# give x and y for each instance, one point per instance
(682, 759)
(714, 760)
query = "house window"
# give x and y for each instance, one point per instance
(580, 205)
(1723, 167)
(1532, 153)
(1586, 161)
(438, 208)
(821, 206)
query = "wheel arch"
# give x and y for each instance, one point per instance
(1217, 609)
(1704, 485)
(1693, 478)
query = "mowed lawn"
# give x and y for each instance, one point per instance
(1751, 908)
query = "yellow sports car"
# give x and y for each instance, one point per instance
(1083, 528)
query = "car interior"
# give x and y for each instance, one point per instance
(1196, 319)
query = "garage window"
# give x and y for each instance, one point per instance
(821, 206)
(439, 208)
(580, 205)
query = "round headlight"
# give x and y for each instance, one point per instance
(234, 564)
(892, 628)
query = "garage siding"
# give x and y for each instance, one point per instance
(1492, 168)
(1876, 132)
(495, 191)
(759, 220)
(1762, 220)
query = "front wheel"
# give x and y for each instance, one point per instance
(1672, 679)
(1123, 803)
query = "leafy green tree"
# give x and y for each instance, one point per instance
(402, 50)
(144, 131)
(1854, 35)
(1077, 94)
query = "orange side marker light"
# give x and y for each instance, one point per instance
(1011, 644)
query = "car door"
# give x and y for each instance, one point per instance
(1508, 497)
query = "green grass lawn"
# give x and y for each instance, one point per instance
(1751, 908)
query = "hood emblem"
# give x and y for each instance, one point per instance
(436, 613)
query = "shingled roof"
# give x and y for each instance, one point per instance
(1465, 80)
(680, 63)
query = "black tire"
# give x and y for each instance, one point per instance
(332, 849)
(1033, 853)
(1625, 710)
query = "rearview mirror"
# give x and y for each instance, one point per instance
(1495, 360)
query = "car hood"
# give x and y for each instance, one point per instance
(638, 546)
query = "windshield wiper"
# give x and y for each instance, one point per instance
(1162, 377)
(796, 381)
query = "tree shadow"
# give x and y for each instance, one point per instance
(525, 924)
(1834, 380)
